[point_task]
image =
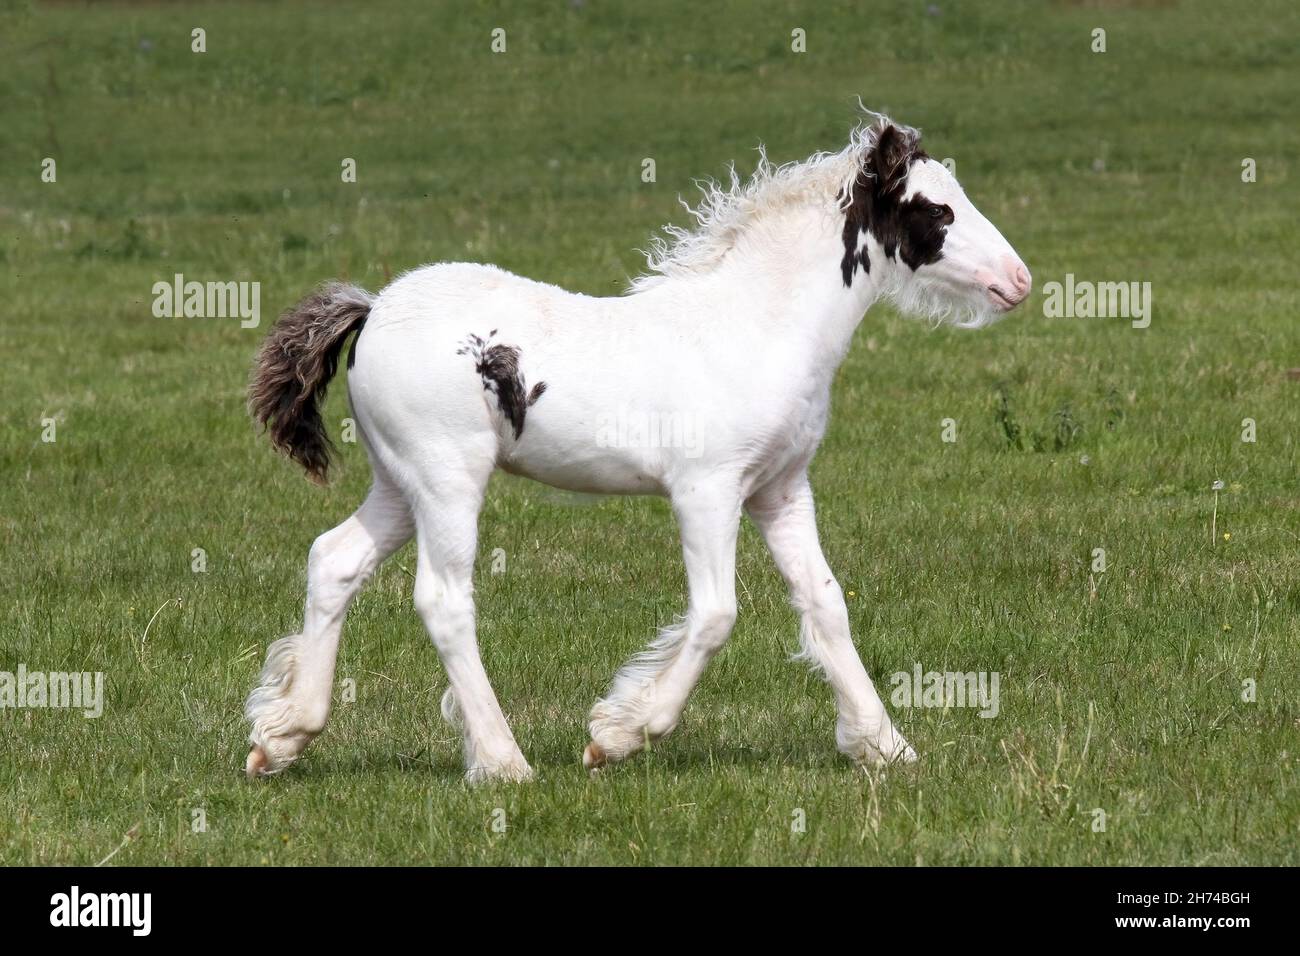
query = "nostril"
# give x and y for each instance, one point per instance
(1016, 277)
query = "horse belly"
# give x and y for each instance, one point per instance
(577, 459)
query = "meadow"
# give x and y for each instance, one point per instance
(159, 540)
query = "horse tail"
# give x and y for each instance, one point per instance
(294, 368)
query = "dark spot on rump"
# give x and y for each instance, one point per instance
(498, 366)
(473, 344)
(913, 229)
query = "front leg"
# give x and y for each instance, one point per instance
(784, 514)
(648, 694)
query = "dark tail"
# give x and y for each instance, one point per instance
(294, 368)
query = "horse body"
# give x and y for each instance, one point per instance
(709, 383)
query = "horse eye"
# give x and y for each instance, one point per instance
(936, 212)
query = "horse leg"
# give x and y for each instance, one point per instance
(649, 692)
(447, 509)
(291, 703)
(784, 514)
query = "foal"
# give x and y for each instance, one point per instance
(736, 332)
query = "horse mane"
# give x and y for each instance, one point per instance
(725, 212)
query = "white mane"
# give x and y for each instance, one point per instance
(724, 213)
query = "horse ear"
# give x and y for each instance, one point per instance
(890, 158)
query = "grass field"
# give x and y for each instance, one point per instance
(1120, 691)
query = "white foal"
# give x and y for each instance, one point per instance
(734, 337)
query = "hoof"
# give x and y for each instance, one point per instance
(593, 758)
(516, 771)
(877, 761)
(256, 764)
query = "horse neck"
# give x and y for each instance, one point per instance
(785, 283)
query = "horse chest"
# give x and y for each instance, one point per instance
(792, 435)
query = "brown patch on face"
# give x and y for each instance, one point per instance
(911, 230)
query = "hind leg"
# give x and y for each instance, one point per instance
(289, 706)
(447, 508)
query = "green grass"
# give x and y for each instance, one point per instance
(1123, 693)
